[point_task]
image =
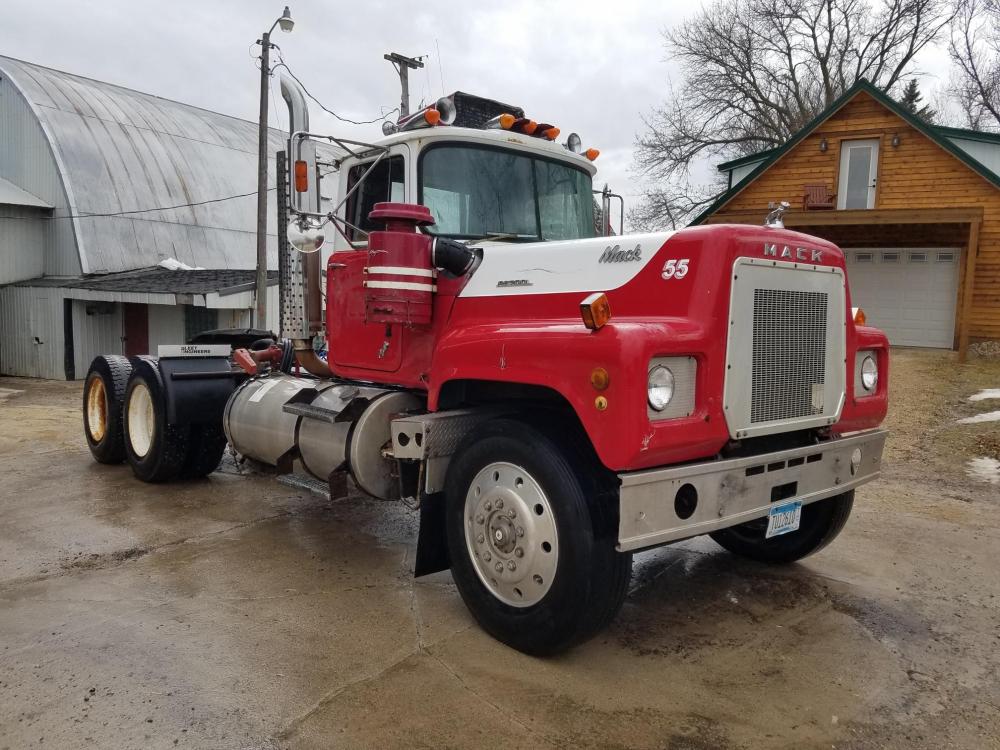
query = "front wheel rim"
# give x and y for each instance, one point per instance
(141, 419)
(97, 409)
(510, 534)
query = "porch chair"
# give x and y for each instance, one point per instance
(817, 198)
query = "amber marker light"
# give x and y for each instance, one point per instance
(551, 133)
(595, 310)
(507, 121)
(529, 127)
(301, 177)
(600, 403)
(599, 378)
(432, 116)
(860, 318)
(591, 153)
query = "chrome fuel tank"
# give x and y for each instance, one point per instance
(255, 420)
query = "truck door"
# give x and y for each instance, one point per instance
(353, 342)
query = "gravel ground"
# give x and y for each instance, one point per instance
(237, 612)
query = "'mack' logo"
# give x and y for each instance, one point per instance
(615, 254)
(793, 253)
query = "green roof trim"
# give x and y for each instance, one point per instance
(939, 135)
(743, 160)
(967, 135)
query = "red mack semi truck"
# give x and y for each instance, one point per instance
(552, 398)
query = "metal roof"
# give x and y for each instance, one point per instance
(122, 150)
(12, 195)
(162, 281)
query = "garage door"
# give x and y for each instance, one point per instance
(908, 293)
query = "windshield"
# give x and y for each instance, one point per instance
(476, 192)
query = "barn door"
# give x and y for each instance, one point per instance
(41, 327)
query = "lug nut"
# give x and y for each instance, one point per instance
(480, 539)
(487, 556)
(480, 519)
(499, 503)
(489, 505)
(520, 531)
(519, 552)
(511, 565)
(499, 567)
(511, 513)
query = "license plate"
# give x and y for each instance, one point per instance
(784, 518)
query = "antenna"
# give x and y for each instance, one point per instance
(403, 66)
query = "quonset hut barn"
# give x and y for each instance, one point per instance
(79, 277)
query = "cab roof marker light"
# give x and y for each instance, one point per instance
(591, 153)
(551, 133)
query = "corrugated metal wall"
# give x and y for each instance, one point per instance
(31, 332)
(166, 326)
(99, 332)
(22, 243)
(27, 160)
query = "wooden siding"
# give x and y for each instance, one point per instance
(918, 174)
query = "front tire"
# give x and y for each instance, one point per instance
(518, 499)
(820, 524)
(155, 449)
(103, 402)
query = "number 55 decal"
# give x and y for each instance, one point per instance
(675, 269)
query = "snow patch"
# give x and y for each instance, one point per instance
(985, 394)
(172, 264)
(984, 469)
(989, 416)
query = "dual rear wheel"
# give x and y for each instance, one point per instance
(125, 419)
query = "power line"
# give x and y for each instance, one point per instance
(136, 211)
(322, 106)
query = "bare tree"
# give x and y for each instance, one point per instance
(756, 71)
(975, 51)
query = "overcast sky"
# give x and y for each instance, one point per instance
(588, 67)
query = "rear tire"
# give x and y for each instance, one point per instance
(155, 450)
(821, 522)
(103, 403)
(553, 524)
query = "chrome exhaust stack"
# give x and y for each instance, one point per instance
(301, 299)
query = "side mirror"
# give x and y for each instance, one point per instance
(305, 237)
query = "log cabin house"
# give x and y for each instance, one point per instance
(914, 206)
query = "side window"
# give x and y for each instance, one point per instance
(383, 183)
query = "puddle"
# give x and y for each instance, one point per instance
(989, 416)
(984, 469)
(985, 394)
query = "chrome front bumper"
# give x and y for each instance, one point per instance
(732, 491)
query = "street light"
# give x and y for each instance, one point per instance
(286, 24)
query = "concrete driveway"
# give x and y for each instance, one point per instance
(236, 612)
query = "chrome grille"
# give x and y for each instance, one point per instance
(789, 354)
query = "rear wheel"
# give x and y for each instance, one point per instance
(103, 400)
(820, 524)
(155, 450)
(531, 540)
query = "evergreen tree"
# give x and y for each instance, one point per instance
(911, 101)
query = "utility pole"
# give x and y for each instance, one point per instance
(403, 66)
(260, 314)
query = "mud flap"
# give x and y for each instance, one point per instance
(432, 545)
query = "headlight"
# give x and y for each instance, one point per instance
(660, 387)
(869, 373)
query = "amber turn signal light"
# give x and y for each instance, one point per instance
(860, 318)
(301, 177)
(432, 116)
(599, 378)
(595, 310)
(591, 153)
